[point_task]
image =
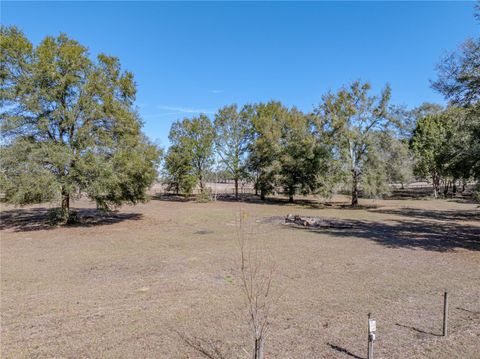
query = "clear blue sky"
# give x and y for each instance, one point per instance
(196, 57)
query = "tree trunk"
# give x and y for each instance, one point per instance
(354, 188)
(65, 204)
(262, 195)
(258, 350)
(236, 187)
(454, 187)
(446, 186)
(435, 183)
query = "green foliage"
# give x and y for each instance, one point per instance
(191, 156)
(349, 120)
(231, 142)
(178, 171)
(459, 81)
(204, 197)
(68, 125)
(304, 161)
(265, 148)
(408, 118)
(458, 74)
(397, 158)
(438, 145)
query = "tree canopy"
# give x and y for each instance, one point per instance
(68, 126)
(349, 119)
(459, 81)
(192, 143)
(232, 131)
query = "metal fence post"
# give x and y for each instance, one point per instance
(445, 314)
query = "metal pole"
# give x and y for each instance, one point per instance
(445, 314)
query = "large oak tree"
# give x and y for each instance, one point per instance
(68, 126)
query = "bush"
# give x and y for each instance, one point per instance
(204, 197)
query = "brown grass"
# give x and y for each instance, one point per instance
(144, 281)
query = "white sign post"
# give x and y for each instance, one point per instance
(372, 328)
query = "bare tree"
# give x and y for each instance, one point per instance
(256, 278)
(257, 273)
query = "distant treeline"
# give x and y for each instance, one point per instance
(352, 138)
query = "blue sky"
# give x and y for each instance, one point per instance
(196, 57)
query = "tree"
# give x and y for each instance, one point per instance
(459, 75)
(350, 118)
(459, 81)
(179, 171)
(398, 159)
(303, 159)
(257, 275)
(194, 139)
(68, 126)
(232, 139)
(264, 148)
(435, 143)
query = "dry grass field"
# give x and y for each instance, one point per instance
(142, 282)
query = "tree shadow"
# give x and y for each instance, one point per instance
(25, 220)
(433, 236)
(207, 348)
(411, 193)
(451, 215)
(279, 200)
(344, 351)
(417, 330)
(168, 197)
(468, 311)
(246, 198)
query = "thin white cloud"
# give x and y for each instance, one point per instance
(185, 109)
(161, 115)
(216, 91)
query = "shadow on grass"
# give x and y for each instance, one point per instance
(168, 197)
(272, 200)
(456, 215)
(207, 348)
(468, 311)
(24, 220)
(417, 330)
(411, 193)
(344, 351)
(433, 236)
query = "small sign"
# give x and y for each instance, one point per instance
(372, 325)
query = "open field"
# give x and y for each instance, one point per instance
(126, 286)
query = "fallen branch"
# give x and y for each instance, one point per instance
(315, 222)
